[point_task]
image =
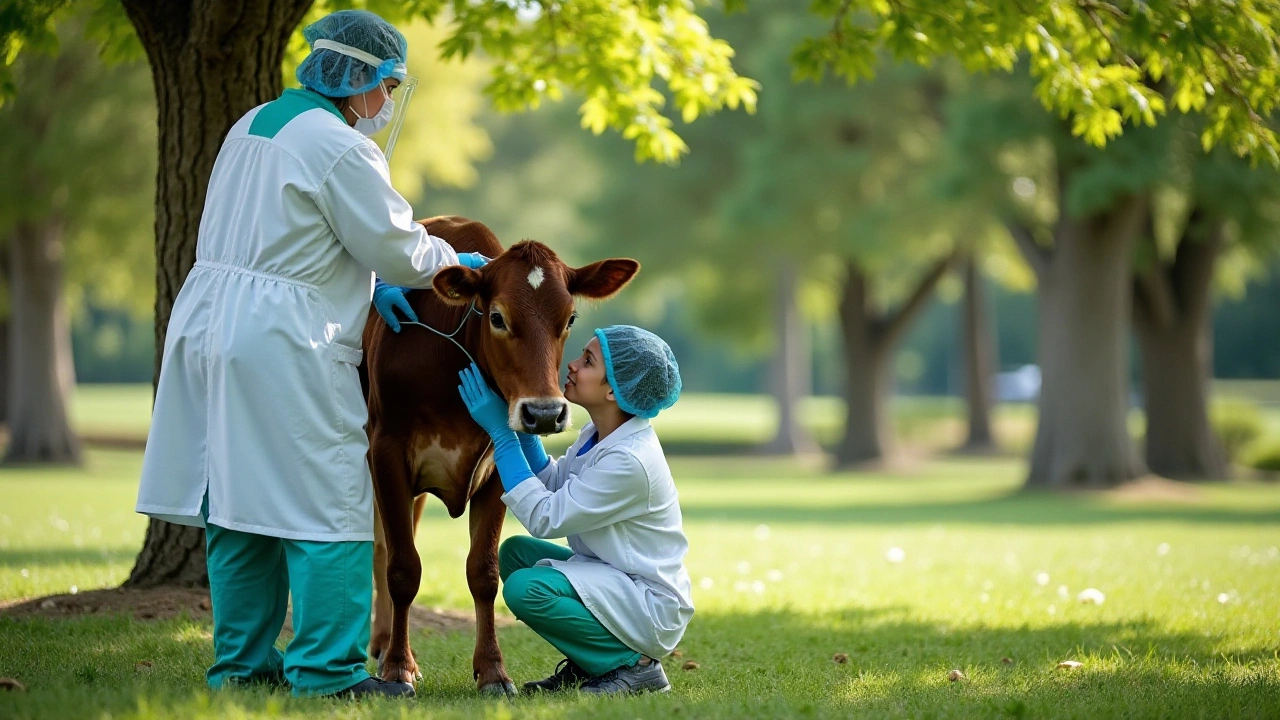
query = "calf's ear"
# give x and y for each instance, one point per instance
(602, 280)
(457, 285)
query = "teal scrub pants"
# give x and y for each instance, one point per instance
(544, 599)
(250, 579)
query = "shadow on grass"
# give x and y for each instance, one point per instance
(33, 557)
(761, 664)
(1019, 508)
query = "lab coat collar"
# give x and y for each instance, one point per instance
(624, 431)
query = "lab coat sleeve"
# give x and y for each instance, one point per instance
(555, 473)
(613, 489)
(375, 223)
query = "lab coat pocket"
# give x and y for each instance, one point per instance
(349, 405)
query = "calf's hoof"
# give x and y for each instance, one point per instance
(505, 688)
(404, 671)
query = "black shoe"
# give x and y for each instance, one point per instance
(376, 686)
(630, 680)
(567, 675)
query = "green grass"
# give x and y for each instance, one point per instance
(789, 568)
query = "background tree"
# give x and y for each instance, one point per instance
(1101, 65)
(63, 220)
(1215, 205)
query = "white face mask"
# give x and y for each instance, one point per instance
(370, 126)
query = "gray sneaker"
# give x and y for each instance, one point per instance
(567, 675)
(630, 680)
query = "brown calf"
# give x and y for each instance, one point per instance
(513, 317)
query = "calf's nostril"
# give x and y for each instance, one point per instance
(527, 417)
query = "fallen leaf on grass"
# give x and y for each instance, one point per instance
(143, 666)
(1006, 661)
(677, 653)
(690, 665)
(955, 676)
(840, 658)
(12, 684)
(1070, 664)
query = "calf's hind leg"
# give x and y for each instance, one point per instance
(382, 610)
(403, 567)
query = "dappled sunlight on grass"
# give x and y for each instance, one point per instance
(911, 575)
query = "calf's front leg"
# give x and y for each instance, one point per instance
(486, 515)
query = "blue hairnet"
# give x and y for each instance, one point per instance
(333, 74)
(640, 368)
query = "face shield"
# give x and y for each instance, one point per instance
(383, 69)
(402, 95)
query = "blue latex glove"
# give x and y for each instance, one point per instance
(389, 298)
(531, 445)
(487, 409)
(475, 261)
(490, 413)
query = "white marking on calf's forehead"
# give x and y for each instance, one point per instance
(536, 277)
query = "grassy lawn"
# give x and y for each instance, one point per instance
(790, 567)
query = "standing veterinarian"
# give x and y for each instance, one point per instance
(258, 428)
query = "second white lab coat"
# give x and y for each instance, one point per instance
(618, 506)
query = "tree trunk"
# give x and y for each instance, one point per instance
(41, 373)
(869, 341)
(4, 373)
(1172, 319)
(4, 340)
(211, 61)
(979, 355)
(1082, 439)
(790, 379)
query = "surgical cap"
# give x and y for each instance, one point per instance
(380, 52)
(640, 368)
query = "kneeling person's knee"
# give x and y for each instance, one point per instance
(510, 554)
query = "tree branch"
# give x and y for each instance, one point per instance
(894, 324)
(1036, 255)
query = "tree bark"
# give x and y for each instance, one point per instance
(41, 372)
(1172, 318)
(979, 356)
(1082, 439)
(870, 337)
(211, 61)
(4, 339)
(4, 372)
(790, 379)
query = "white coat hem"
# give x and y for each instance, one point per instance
(177, 516)
(290, 534)
(584, 592)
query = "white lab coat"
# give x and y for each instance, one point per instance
(259, 400)
(619, 508)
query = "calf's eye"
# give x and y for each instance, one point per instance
(495, 319)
